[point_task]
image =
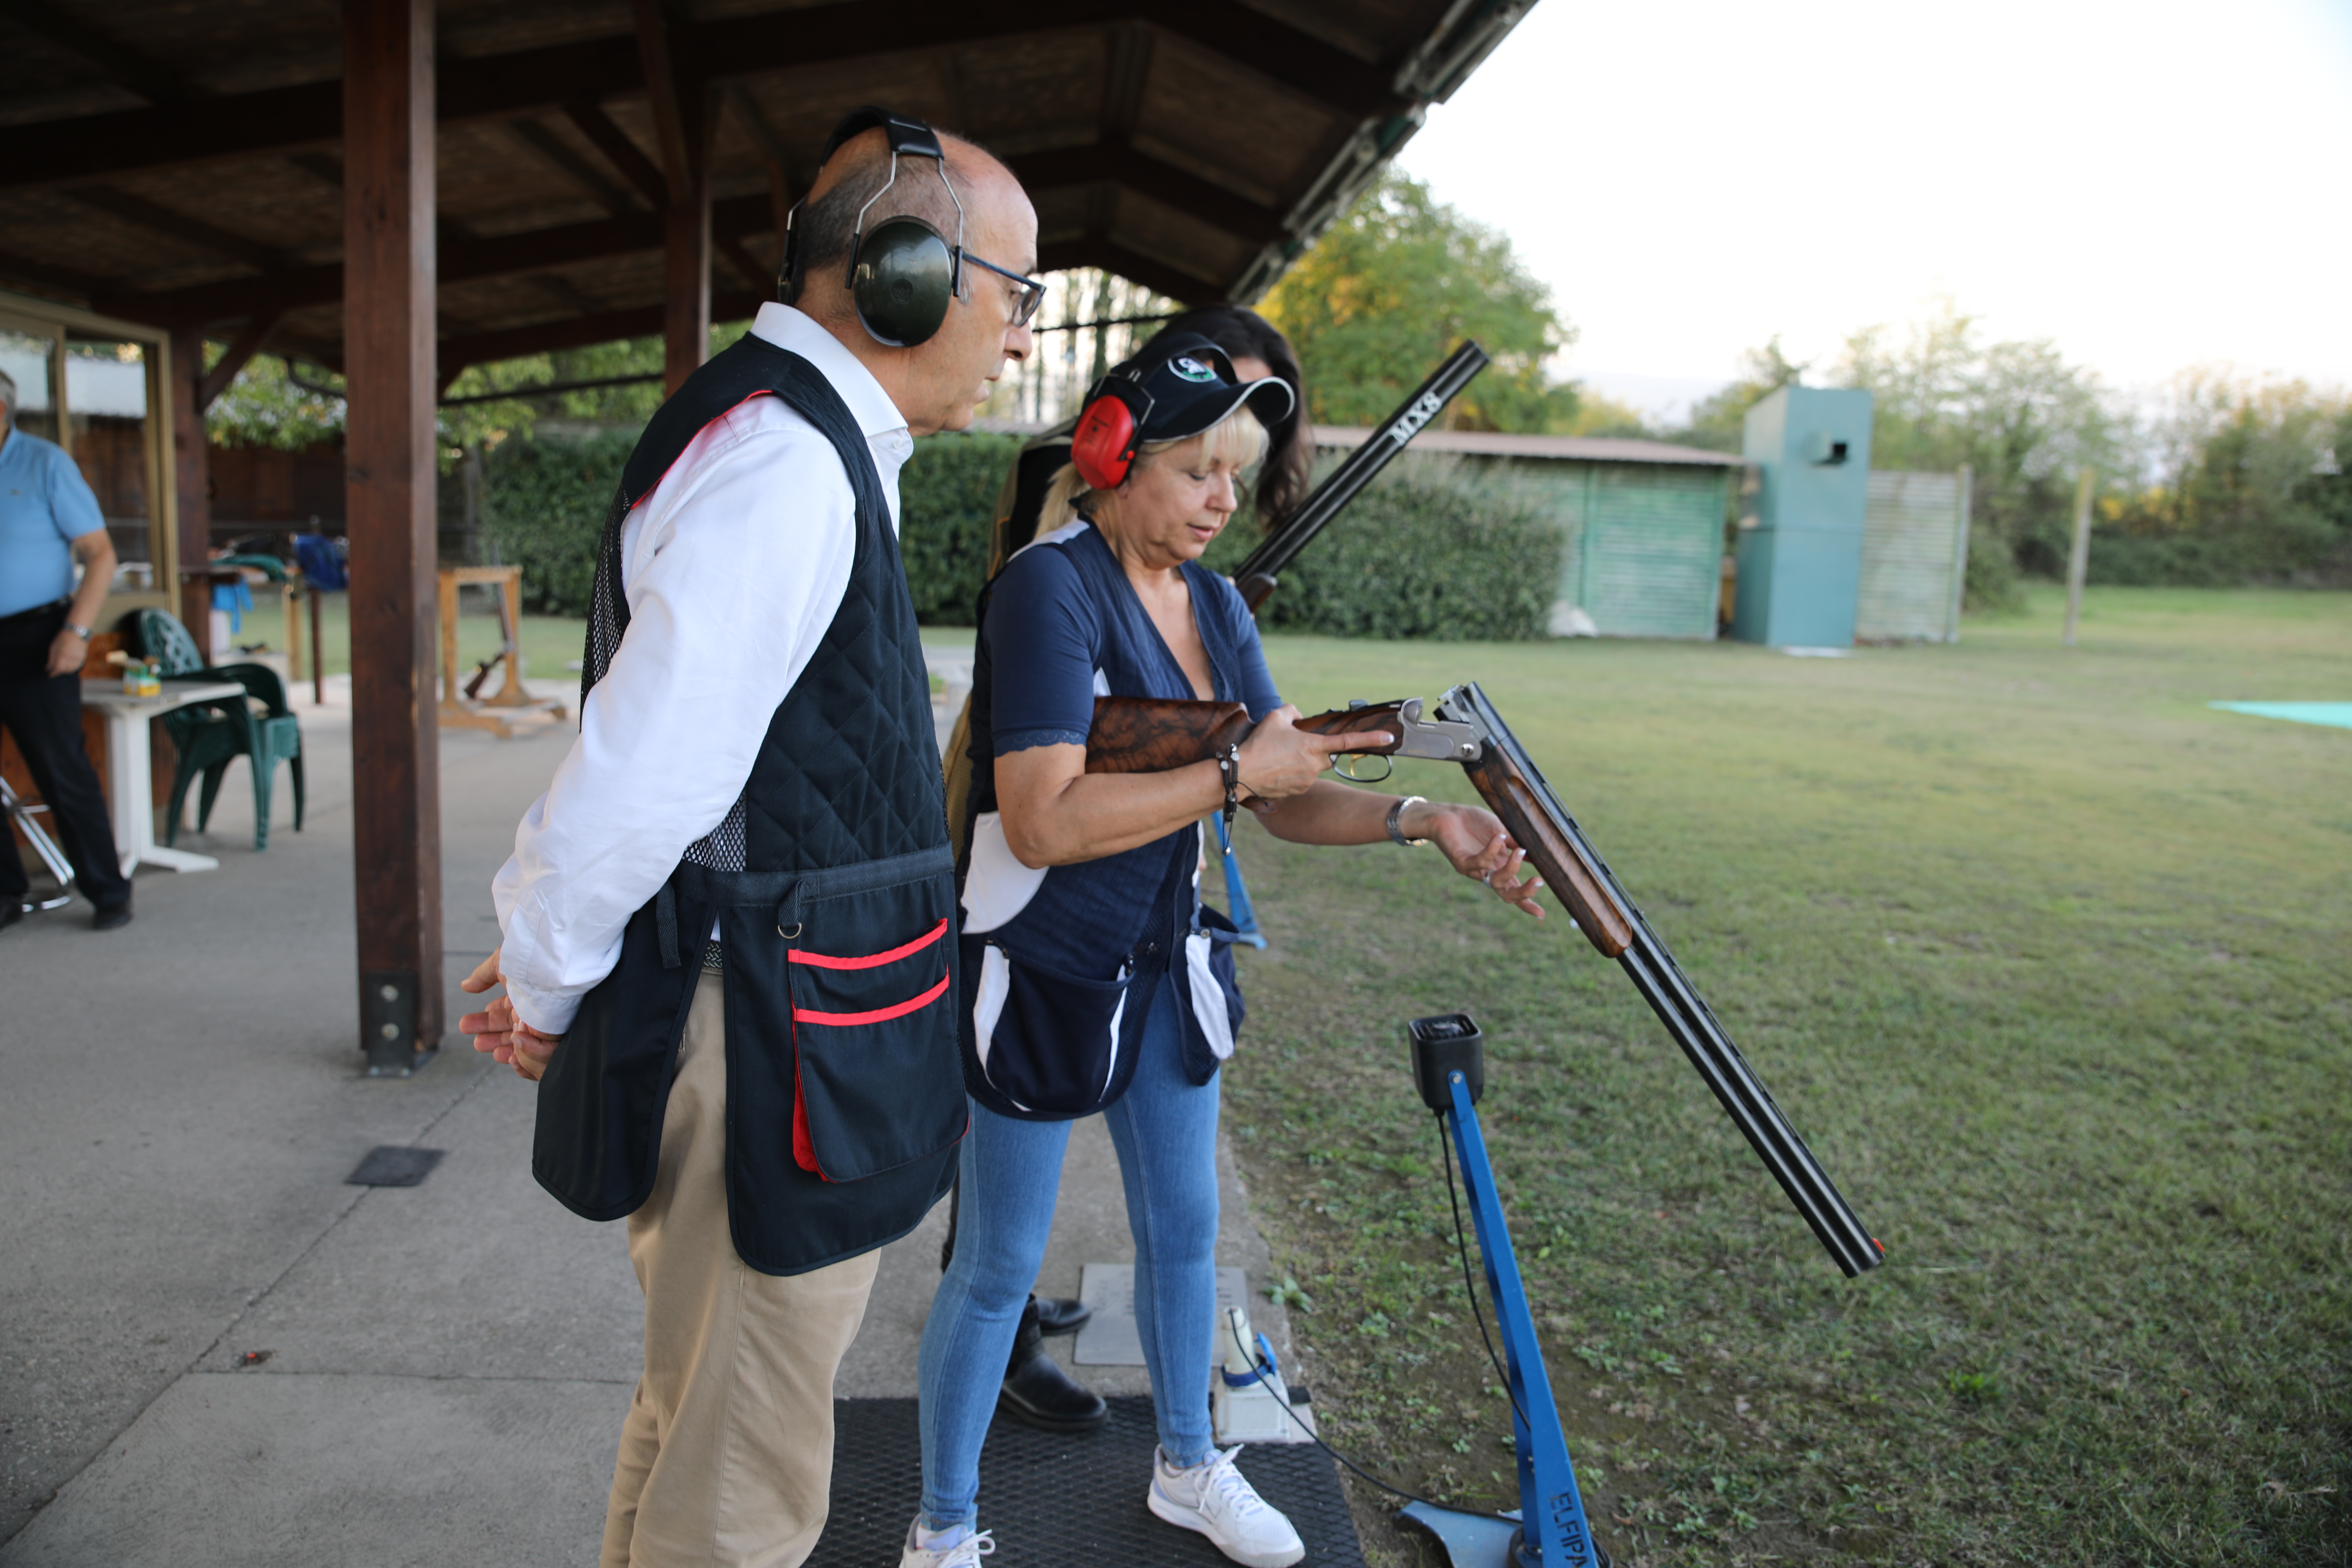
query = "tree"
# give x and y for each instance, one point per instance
(2017, 413)
(1388, 293)
(1718, 423)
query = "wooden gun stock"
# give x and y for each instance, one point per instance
(1507, 795)
(1152, 736)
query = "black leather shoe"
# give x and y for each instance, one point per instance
(12, 909)
(114, 919)
(1038, 1393)
(1059, 1315)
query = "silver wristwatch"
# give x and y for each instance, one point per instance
(1396, 822)
(81, 632)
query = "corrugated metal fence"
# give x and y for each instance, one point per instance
(1914, 553)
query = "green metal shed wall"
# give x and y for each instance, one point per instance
(1644, 542)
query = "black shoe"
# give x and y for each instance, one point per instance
(113, 919)
(1038, 1393)
(1059, 1315)
(11, 911)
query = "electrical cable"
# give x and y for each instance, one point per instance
(1461, 1248)
(1317, 1438)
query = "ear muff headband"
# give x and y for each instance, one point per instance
(1109, 431)
(901, 277)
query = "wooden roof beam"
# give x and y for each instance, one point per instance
(163, 220)
(127, 68)
(462, 262)
(282, 120)
(240, 353)
(675, 102)
(619, 151)
(1146, 176)
(581, 332)
(558, 155)
(1112, 257)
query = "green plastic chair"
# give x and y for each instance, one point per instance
(260, 728)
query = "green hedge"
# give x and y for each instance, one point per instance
(947, 507)
(543, 505)
(1432, 550)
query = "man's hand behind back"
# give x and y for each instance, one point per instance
(497, 1030)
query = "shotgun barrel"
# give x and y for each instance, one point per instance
(1540, 823)
(1257, 575)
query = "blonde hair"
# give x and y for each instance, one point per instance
(1238, 438)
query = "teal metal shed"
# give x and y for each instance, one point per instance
(1643, 522)
(1800, 546)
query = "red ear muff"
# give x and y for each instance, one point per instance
(1103, 445)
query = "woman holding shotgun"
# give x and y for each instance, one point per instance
(1090, 980)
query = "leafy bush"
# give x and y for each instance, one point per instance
(946, 506)
(544, 500)
(543, 506)
(1432, 550)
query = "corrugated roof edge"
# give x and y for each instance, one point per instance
(1582, 448)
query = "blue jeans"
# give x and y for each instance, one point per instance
(1165, 1130)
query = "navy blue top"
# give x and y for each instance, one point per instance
(1059, 626)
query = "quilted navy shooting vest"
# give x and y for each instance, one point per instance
(832, 884)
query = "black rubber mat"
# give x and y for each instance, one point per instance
(1054, 1500)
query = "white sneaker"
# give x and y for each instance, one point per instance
(958, 1546)
(1217, 1499)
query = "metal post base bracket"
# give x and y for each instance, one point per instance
(388, 1023)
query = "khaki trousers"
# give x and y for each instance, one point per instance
(727, 1455)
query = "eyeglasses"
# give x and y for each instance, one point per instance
(1032, 293)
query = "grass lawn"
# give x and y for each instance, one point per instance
(549, 642)
(2048, 962)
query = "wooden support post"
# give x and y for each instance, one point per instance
(192, 485)
(682, 124)
(388, 335)
(2078, 561)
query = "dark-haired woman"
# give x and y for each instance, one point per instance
(1090, 980)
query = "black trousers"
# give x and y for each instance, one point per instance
(42, 713)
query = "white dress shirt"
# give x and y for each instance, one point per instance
(733, 569)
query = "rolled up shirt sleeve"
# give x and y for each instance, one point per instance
(731, 583)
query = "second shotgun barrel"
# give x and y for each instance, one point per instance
(1255, 576)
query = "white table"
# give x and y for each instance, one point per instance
(130, 765)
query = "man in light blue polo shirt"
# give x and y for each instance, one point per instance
(49, 522)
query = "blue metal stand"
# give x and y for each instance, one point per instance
(1244, 918)
(1552, 1533)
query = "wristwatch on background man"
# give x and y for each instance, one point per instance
(1396, 822)
(81, 632)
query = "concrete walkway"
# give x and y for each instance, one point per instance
(216, 1351)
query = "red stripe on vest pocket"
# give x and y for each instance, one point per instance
(826, 961)
(879, 1015)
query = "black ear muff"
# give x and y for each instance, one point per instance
(1102, 444)
(901, 279)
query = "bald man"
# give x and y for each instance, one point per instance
(727, 925)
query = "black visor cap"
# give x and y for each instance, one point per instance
(1192, 388)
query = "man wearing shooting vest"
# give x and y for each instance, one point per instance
(728, 925)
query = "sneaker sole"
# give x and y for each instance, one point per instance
(1163, 1510)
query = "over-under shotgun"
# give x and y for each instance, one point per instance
(1134, 735)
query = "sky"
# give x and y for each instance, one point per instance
(2151, 186)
